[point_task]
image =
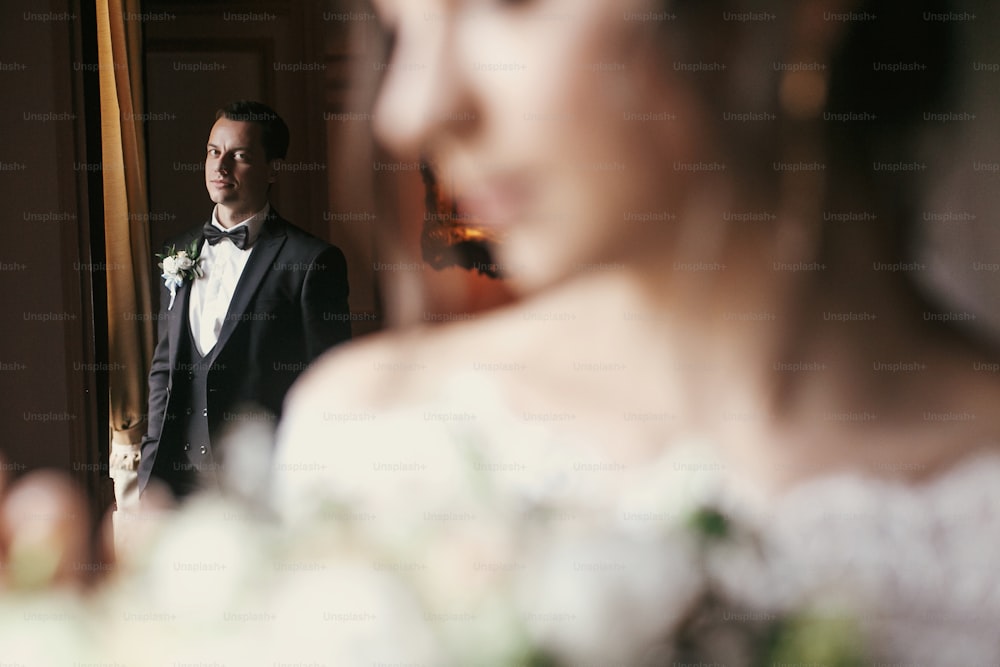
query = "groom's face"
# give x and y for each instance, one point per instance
(237, 173)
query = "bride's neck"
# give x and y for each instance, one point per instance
(787, 347)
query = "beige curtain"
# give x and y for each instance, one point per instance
(126, 230)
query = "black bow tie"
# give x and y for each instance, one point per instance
(238, 236)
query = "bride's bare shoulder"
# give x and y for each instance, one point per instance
(384, 368)
(361, 373)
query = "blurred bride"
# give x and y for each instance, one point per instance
(707, 212)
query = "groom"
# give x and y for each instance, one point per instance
(236, 328)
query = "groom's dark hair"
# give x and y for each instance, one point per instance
(274, 132)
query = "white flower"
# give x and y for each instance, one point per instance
(605, 598)
(178, 266)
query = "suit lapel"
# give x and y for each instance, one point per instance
(266, 248)
(177, 317)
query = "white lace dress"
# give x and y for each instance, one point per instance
(510, 534)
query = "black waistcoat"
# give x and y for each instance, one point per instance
(192, 461)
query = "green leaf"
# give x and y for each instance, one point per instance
(167, 252)
(709, 522)
(817, 639)
(193, 249)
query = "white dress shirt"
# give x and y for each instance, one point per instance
(223, 264)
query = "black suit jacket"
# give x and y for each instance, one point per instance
(290, 305)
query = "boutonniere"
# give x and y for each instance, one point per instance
(178, 266)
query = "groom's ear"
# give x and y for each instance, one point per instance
(273, 167)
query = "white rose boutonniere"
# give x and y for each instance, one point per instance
(178, 266)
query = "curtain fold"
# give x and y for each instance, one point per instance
(126, 232)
